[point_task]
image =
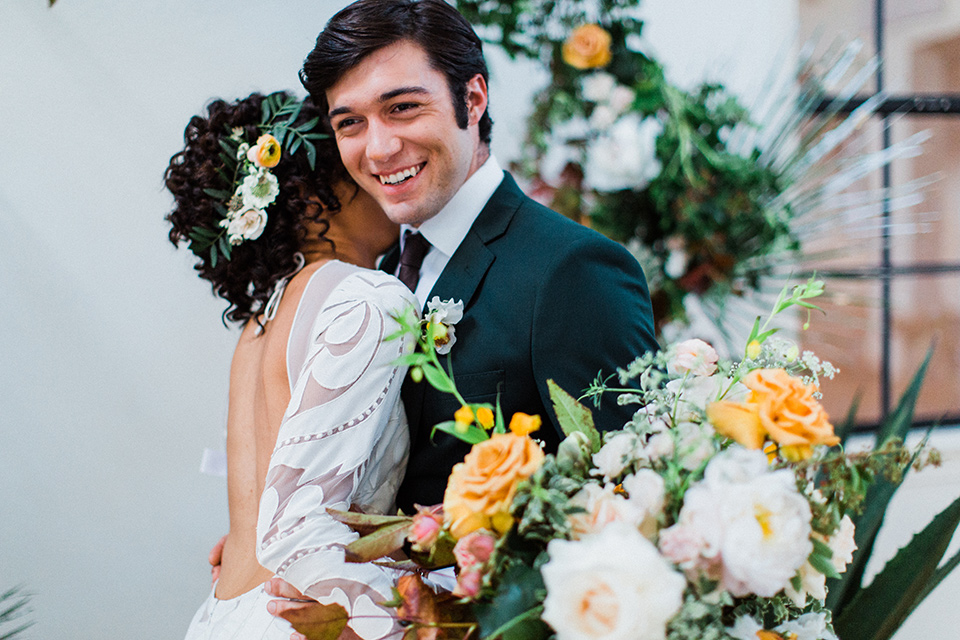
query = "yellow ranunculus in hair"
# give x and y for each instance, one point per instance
(588, 47)
(485, 417)
(481, 488)
(463, 415)
(266, 153)
(737, 420)
(522, 424)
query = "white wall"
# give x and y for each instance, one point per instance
(113, 361)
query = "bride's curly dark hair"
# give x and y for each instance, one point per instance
(247, 279)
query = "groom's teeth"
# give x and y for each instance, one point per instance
(399, 177)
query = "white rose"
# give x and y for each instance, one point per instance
(602, 506)
(624, 156)
(610, 586)
(645, 489)
(693, 356)
(616, 455)
(248, 224)
(598, 87)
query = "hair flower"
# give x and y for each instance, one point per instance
(259, 189)
(266, 153)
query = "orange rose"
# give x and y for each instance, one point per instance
(481, 488)
(789, 413)
(780, 408)
(266, 153)
(588, 47)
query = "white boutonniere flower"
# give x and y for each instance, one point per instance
(441, 316)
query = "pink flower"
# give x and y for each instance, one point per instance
(468, 582)
(693, 356)
(426, 527)
(474, 549)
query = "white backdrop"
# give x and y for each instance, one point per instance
(113, 361)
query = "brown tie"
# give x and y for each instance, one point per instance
(415, 247)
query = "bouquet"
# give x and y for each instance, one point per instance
(719, 511)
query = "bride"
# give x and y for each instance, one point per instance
(315, 420)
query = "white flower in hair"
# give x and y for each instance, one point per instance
(248, 224)
(259, 189)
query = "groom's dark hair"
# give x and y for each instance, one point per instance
(366, 26)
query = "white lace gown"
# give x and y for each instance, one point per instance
(343, 441)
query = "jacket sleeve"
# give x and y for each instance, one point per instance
(592, 315)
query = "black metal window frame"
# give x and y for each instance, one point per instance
(915, 104)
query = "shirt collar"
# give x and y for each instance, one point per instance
(446, 230)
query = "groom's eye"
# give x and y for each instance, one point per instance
(346, 122)
(405, 106)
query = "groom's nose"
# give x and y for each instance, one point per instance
(382, 142)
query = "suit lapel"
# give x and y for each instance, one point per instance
(464, 272)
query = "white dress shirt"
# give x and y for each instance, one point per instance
(446, 230)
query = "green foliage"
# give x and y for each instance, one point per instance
(573, 416)
(14, 605)
(877, 611)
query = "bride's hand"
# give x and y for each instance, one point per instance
(215, 558)
(307, 616)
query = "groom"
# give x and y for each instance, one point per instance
(405, 87)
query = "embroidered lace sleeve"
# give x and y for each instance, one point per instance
(343, 441)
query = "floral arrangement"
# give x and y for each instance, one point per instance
(250, 185)
(709, 197)
(719, 511)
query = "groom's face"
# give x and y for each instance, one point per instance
(394, 122)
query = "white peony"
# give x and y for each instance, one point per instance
(617, 454)
(248, 224)
(610, 586)
(259, 189)
(750, 520)
(624, 156)
(601, 507)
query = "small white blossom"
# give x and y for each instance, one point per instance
(620, 451)
(598, 87)
(259, 189)
(443, 315)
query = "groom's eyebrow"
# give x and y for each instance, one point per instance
(384, 97)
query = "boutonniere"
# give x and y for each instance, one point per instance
(439, 320)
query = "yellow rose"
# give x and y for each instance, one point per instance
(522, 424)
(789, 413)
(266, 153)
(481, 488)
(780, 408)
(738, 421)
(588, 47)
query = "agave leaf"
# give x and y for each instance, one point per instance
(878, 611)
(572, 415)
(938, 576)
(841, 592)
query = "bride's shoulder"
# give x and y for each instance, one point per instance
(377, 287)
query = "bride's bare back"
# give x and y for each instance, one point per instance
(259, 394)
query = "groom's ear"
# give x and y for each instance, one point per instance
(476, 97)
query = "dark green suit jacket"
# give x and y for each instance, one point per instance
(544, 297)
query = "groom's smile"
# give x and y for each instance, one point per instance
(395, 126)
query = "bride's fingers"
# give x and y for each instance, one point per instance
(280, 588)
